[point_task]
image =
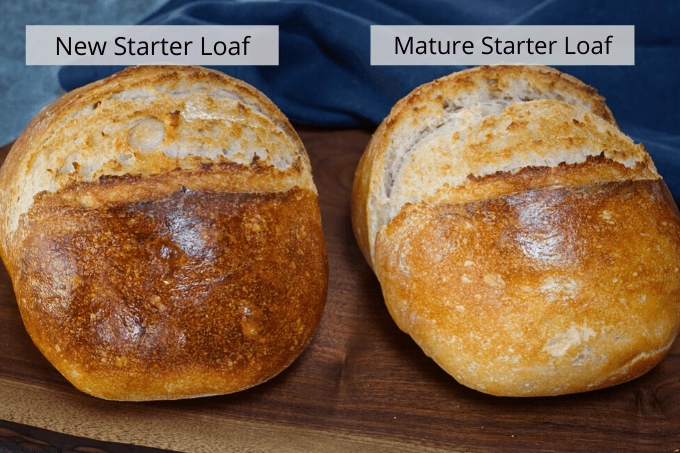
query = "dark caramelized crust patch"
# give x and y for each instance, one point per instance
(196, 293)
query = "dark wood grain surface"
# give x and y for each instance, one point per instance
(362, 385)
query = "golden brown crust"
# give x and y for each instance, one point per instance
(163, 235)
(524, 242)
(193, 294)
(144, 121)
(463, 99)
(543, 292)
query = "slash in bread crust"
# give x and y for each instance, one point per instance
(443, 113)
(523, 241)
(163, 235)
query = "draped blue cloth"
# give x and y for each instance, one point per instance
(324, 77)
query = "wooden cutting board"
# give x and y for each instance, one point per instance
(362, 385)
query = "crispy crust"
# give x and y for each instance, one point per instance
(565, 307)
(144, 121)
(434, 100)
(541, 79)
(193, 294)
(527, 245)
(181, 272)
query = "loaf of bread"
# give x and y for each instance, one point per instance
(163, 236)
(526, 244)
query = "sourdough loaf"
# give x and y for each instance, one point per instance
(523, 241)
(163, 235)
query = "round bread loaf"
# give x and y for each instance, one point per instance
(525, 243)
(162, 232)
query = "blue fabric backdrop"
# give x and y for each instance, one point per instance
(324, 77)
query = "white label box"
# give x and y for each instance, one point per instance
(555, 45)
(206, 45)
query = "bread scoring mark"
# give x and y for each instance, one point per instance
(459, 118)
(188, 117)
(221, 177)
(394, 145)
(428, 176)
(483, 98)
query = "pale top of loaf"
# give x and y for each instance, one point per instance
(446, 135)
(547, 132)
(153, 120)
